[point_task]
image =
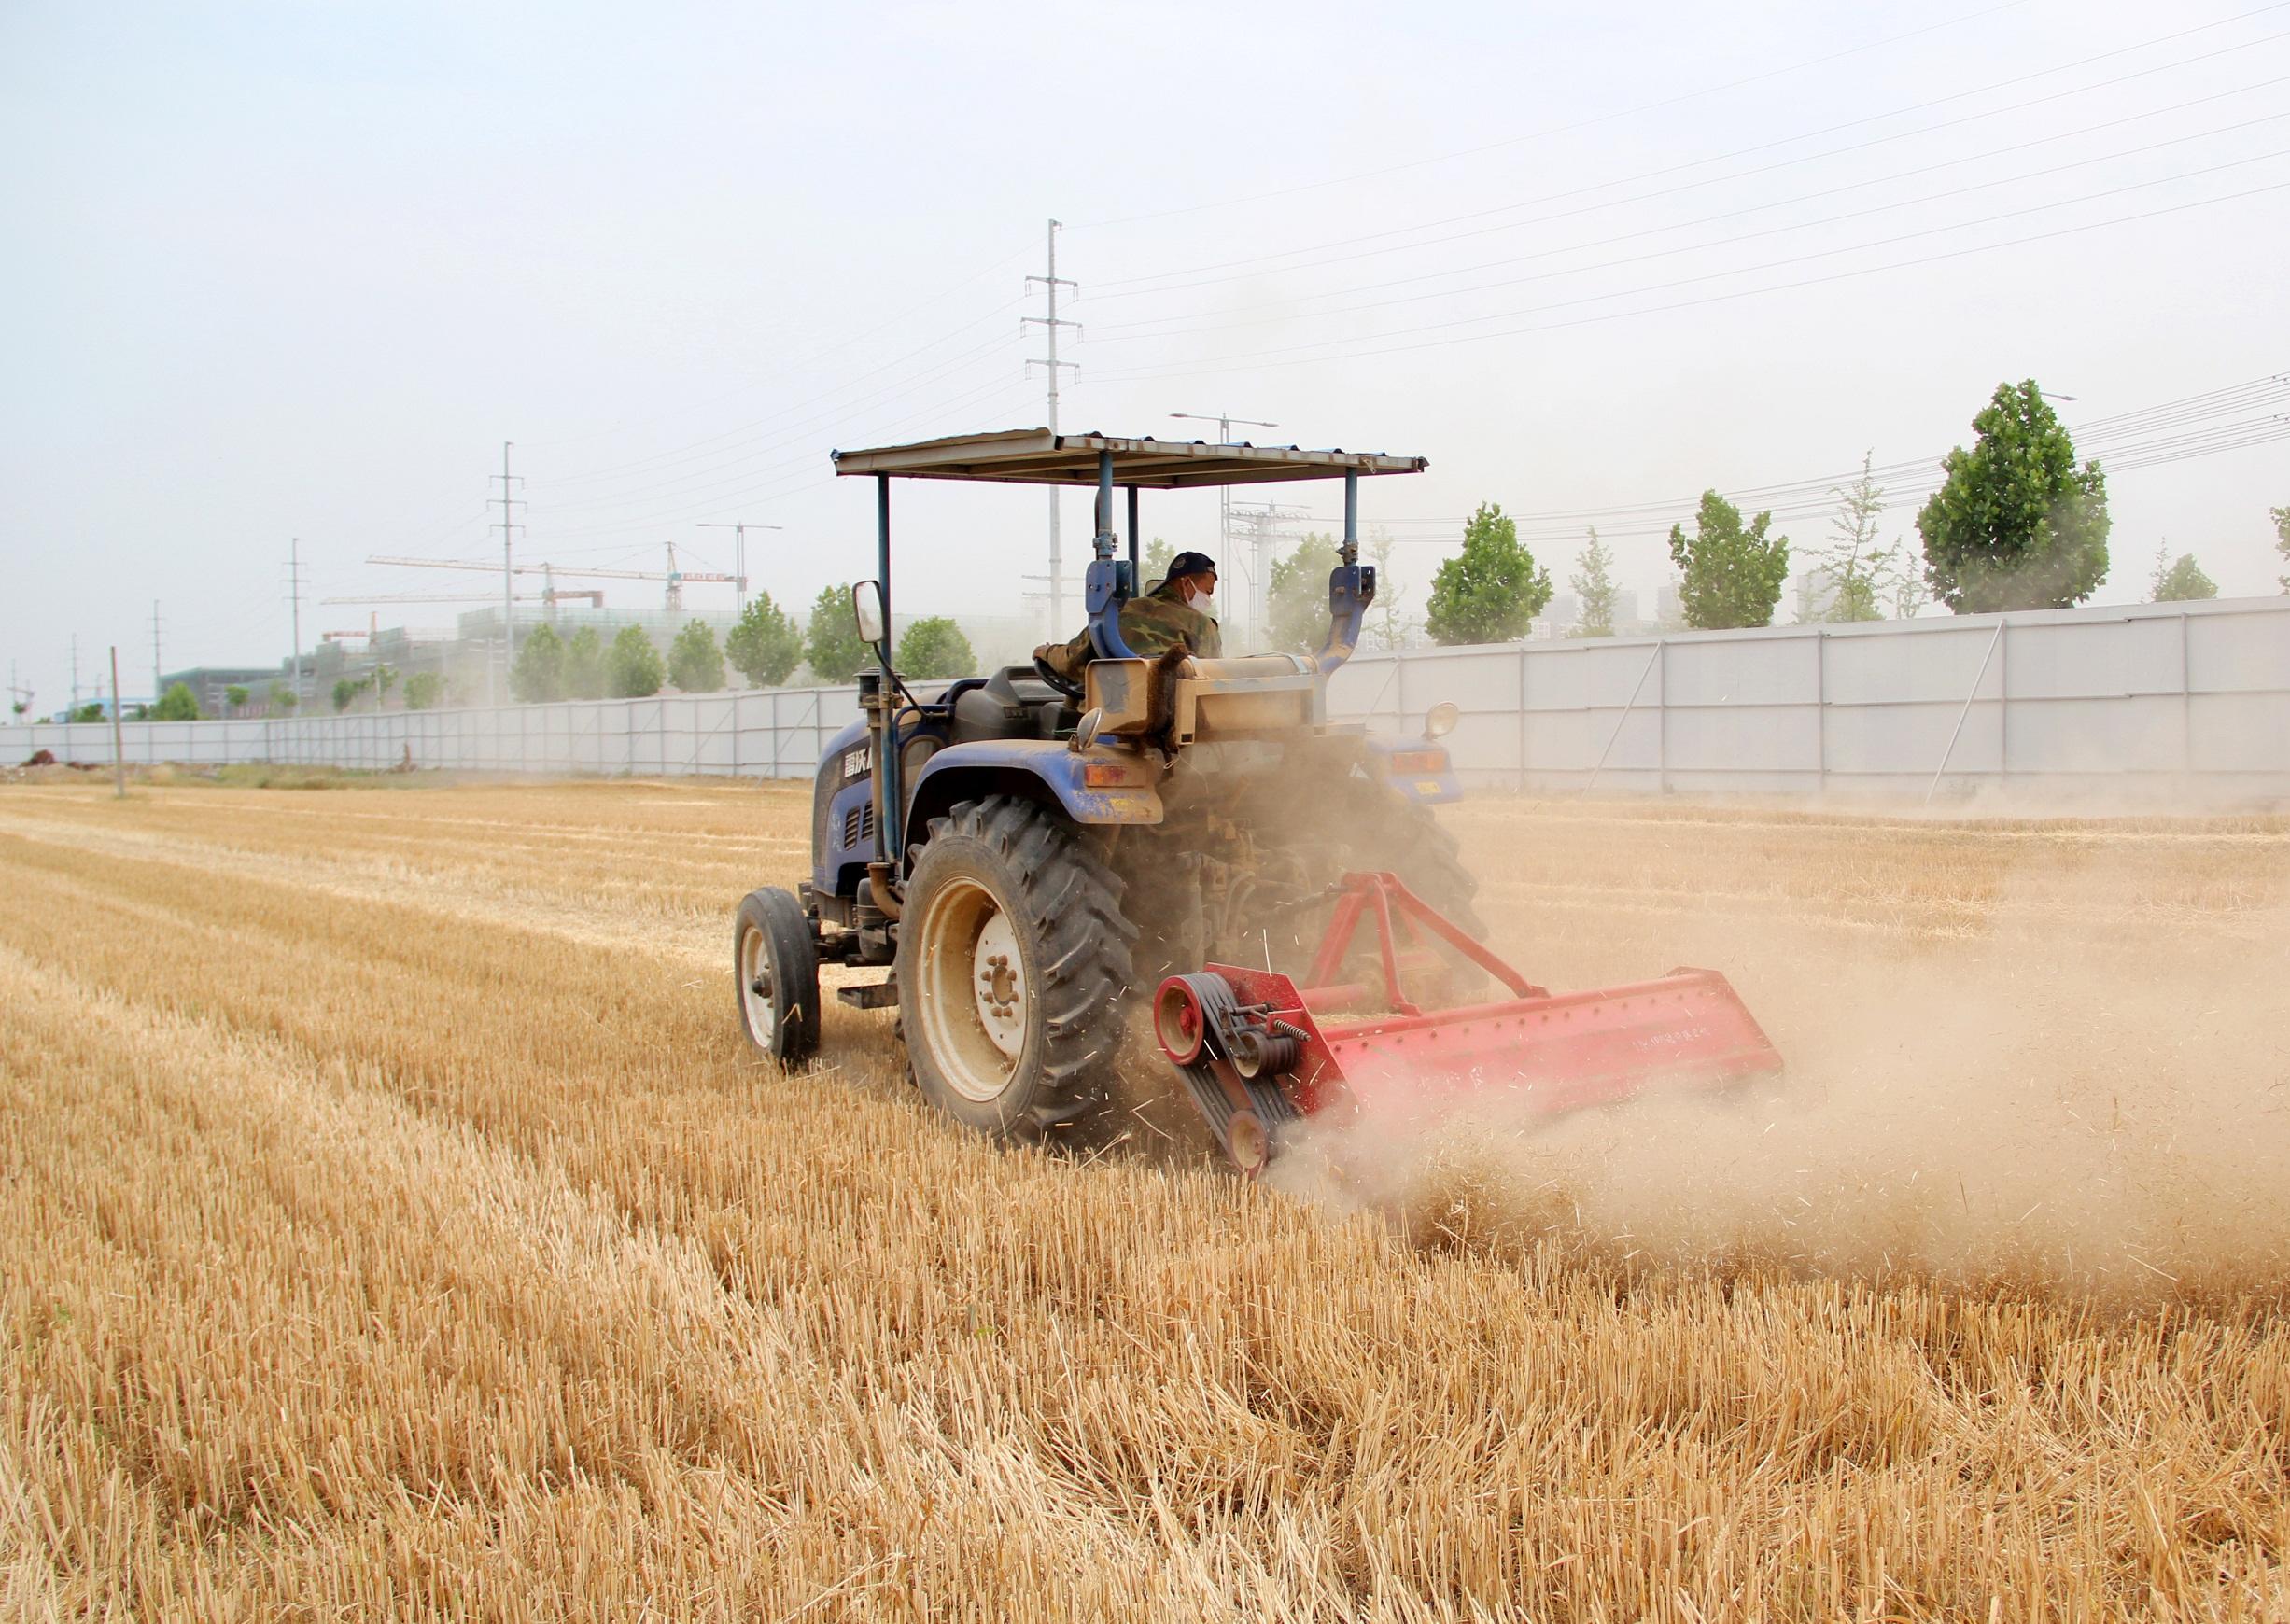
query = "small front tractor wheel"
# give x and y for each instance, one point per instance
(1013, 966)
(777, 971)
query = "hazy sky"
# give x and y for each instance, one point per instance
(299, 270)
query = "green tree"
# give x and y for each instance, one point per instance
(423, 689)
(1594, 584)
(935, 647)
(695, 664)
(176, 704)
(384, 679)
(1911, 591)
(1733, 573)
(584, 673)
(1297, 596)
(345, 692)
(234, 696)
(1155, 562)
(91, 711)
(2018, 525)
(634, 666)
(1388, 614)
(2282, 536)
(1493, 590)
(1859, 569)
(282, 699)
(831, 642)
(2182, 581)
(764, 645)
(538, 675)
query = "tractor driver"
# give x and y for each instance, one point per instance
(1178, 612)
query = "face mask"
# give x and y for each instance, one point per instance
(1203, 601)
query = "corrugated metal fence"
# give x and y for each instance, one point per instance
(772, 733)
(2190, 702)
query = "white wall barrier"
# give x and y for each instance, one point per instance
(2184, 701)
(2187, 702)
(772, 733)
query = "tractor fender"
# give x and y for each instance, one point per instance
(1035, 769)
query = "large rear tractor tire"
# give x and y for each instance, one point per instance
(776, 967)
(1385, 830)
(1368, 825)
(1013, 971)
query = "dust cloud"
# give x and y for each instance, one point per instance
(2075, 1100)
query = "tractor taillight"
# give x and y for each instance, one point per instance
(1109, 775)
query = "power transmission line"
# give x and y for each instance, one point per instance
(294, 591)
(1270, 358)
(785, 435)
(1257, 599)
(1853, 123)
(682, 481)
(947, 290)
(771, 488)
(1564, 129)
(1782, 263)
(2133, 431)
(1050, 324)
(508, 528)
(1985, 156)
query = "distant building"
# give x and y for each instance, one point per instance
(1671, 605)
(210, 685)
(1817, 595)
(103, 706)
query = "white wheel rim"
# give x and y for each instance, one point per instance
(997, 981)
(976, 1004)
(755, 966)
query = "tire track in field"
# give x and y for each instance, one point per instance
(456, 894)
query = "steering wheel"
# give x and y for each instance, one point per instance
(1070, 689)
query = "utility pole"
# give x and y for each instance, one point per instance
(739, 528)
(1257, 599)
(509, 596)
(155, 662)
(1050, 324)
(1260, 523)
(294, 589)
(75, 675)
(119, 756)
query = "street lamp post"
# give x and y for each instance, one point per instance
(1258, 611)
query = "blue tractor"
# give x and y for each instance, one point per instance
(1028, 858)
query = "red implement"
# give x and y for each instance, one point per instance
(1256, 1051)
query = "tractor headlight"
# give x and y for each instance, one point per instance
(1440, 720)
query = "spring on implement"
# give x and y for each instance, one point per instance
(1255, 1054)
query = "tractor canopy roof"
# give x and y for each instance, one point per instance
(1035, 457)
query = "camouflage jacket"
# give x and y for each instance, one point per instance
(1154, 624)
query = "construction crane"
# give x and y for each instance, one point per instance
(675, 575)
(554, 596)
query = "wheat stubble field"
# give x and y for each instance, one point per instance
(392, 1224)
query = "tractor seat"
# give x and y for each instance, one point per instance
(1013, 703)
